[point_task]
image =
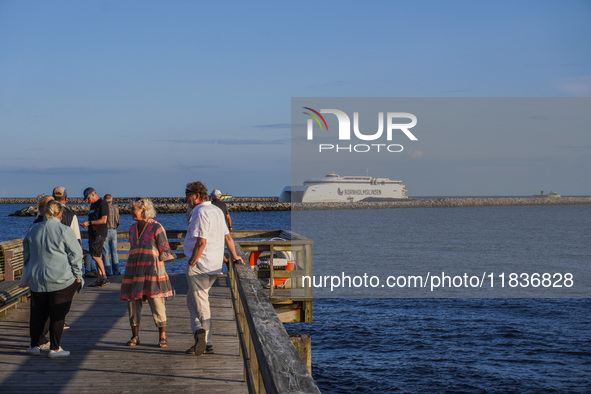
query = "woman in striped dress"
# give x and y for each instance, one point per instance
(145, 278)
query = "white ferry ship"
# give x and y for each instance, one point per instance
(335, 188)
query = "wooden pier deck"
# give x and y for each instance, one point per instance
(101, 363)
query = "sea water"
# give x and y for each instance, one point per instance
(438, 345)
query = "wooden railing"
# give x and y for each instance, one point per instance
(272, 364)
(11, 268)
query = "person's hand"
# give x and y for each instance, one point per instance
(238, 260)
(84, 224)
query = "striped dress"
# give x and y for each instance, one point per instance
(145, 276)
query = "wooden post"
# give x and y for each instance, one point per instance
(271, 272)
(303, 344)
(8, 269)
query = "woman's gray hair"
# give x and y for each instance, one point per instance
(42, 201)
(52, 209)
(146, 205)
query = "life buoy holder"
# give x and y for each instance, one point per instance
(280, 281)
(253, 259)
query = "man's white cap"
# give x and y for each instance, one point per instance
(216, 193)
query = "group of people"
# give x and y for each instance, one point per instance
(53, 263)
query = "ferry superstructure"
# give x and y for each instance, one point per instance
(336, 188)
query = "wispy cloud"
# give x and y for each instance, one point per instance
(274, 126)
(329, 84)
(196, 167)
(538, 117)
(232, 141)
(455, 91)
(61, 170)
(576, 147)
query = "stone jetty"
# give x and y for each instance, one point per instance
(176, 205)
(445, 203)
(127, 200)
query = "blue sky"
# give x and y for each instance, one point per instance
(137, 98)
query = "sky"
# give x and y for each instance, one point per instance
(137, 98)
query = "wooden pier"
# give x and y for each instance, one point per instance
(101, 362)
(253, 352)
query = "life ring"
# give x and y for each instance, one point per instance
(288, 267)
(254, 257)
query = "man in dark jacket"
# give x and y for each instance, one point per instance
(69, 218)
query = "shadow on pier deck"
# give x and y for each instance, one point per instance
(100, 361)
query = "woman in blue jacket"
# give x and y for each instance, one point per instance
(53, 270)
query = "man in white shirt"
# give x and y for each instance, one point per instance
(204, 248)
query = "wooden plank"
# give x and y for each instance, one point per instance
(288, 315)
(255, 233)
(100, 361)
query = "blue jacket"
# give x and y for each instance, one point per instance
(52, 256)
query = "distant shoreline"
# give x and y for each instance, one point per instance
(270, 206)
(127, 200)
(181, 200)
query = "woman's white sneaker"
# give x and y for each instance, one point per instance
(34, 350)
(58, 353)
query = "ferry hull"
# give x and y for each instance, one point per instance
(334, 188)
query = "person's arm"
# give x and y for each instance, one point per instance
(75, 227)
(103, 210)
(164, 252)
(197, 251)
(102, 220)
(26, 252)
(132, 230)
(229, 219)
(230, 245)
(117, 218)
(74, 253)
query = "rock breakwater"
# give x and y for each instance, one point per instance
(181, 207)
(446, 203)
(124, 209)
(127, 200)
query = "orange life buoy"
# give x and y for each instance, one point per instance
(281, 281)
(254, 256)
